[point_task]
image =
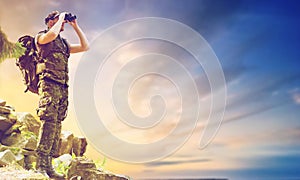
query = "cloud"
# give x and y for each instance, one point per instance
(295, 96)
(239, 37)
(263, 167)
(176, 162)
(261, 90)
(278, 140)
(252, 113)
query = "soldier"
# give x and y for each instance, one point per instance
(52, 70)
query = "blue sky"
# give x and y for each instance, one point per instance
(257, 44)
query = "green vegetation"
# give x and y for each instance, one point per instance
(28, 134)
(100, 164)
(15, 150)
(33, 165)
(61, 167)
(9, 49)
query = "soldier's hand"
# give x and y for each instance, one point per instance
(73, 23)
(62, 15)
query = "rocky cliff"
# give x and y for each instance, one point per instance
(19, 132)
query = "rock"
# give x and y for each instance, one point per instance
(62, 163)
(24, 140)
(65, 143)
(6, 158)
(110, 176)
(28, 153)
(86, 169)
(30, 144)
(28, 161)
(83, 163)
(13, 116)
(79, 146)
(17, 150)
(12, 139)
(2, 118)
(2, 102)
(5, 110)
(31, 123)
(2, 147)
(14, 172)
(65, 158)
(14, 128)
(12, 109)
(79, 167)
(1, 135)
(5, 123)
(20, 159)
(23, 157)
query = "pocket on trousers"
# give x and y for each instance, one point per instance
(45, 110)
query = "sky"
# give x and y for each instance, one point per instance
(257, 45)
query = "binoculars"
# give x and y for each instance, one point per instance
(70, 17)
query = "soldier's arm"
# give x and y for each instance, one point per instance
(53, 31)
(83, 45)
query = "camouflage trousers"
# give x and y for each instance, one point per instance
(52, 111)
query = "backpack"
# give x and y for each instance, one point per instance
(27, 63)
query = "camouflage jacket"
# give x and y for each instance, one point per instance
(53, 63)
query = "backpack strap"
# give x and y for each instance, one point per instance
(67, 45)
(37, 48)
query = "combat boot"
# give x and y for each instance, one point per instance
(50, 170)
(41, 164)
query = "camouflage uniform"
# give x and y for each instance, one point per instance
(53, 91)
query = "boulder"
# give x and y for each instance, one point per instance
(12, 116)
(5, 122)
(65, 159)
(2, 147)
(86, 169)
(2, 102)
(28, 161)
(5, 110)
(30, 144)
(24, 140)
(80, 166)
(1, 135)
(12, 109)
(12, 139)
(110, 176)
(31, 123)
(14, 128)
(20, 159)
(6, 158)
(79, 146)
(2, 118)
(62, 163)
(23, 157)
(65, 143)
